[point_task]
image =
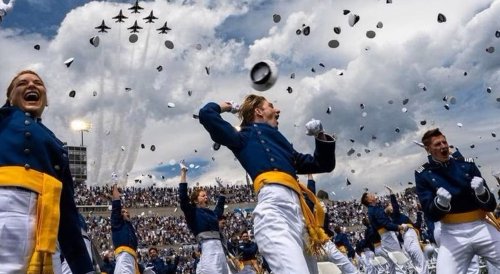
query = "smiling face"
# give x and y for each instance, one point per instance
(27, 92)
(125, 214)
(202, 199)
(267, 113)
(438, 148)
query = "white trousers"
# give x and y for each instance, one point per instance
(390, 243)
(213, 259)
(18, 210)
(474, 263)
(338, 258)
(365, 258)
(411, 245)
(279, 231)
(125, 263)
(63, 267)
(460, 242)
(247, 269)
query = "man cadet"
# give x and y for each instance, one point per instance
(37, 207)
(451, 190)
(384, 226)
(281, 217)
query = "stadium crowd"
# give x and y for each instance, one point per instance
(171, 236)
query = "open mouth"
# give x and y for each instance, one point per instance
(31, 96)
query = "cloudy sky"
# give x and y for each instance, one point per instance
(384, 92)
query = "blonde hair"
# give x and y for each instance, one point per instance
(27, 71)
(194, 195)
(247, 108)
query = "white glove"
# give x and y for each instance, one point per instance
(314, 127)
(443, 197)
(235, 107)
(477, 183)
(183, 166)
(149, 270)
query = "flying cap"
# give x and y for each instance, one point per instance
(133, 38)
(276, 18)
(441, 18)
(263, 75)
(94, 41)
(69, 61)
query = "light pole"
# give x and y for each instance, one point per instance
(81, 125)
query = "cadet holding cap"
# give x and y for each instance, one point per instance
(452, 191)
(37, 207)
(204, 224)
(281, 217)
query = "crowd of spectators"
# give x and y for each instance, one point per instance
(152, 196)
(171, 235)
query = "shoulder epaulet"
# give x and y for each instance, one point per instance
(469, 160)
(422, 167)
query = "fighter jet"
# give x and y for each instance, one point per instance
(164, 29)
(134, 28)
(119, 18)
(102, 27)
(150, 18)
(136, 7)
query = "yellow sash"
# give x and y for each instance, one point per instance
(490, 218)
(342, 248)
(313, 222)
(47, 222)
(130, 251)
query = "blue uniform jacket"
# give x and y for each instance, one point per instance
(260, 147)
(342, 240)
(26, 142)
(158, 265)
(311, 185)
(200, 219)
(122, 232)
(371, 237)
(248, 251)
(454, 176)
(171, 267)
(396, 216)
(378, 219)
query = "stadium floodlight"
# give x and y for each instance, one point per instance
(81, 125)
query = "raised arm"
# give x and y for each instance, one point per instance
(220, 131)
(323, 159)
(221, 201)
(186, 206)
(116, 209)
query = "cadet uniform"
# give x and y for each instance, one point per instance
(37, 207)
(124, 240)
(248, 253)
(334, 255)
(465, 227)
(386, 229)
(411, 242)
(204, 224)
(273, 163)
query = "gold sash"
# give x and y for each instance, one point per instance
(47, 221)
(313, 221)
(130, 251)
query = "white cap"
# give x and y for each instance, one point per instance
(263, 75)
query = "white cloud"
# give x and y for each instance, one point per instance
(411, 48)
